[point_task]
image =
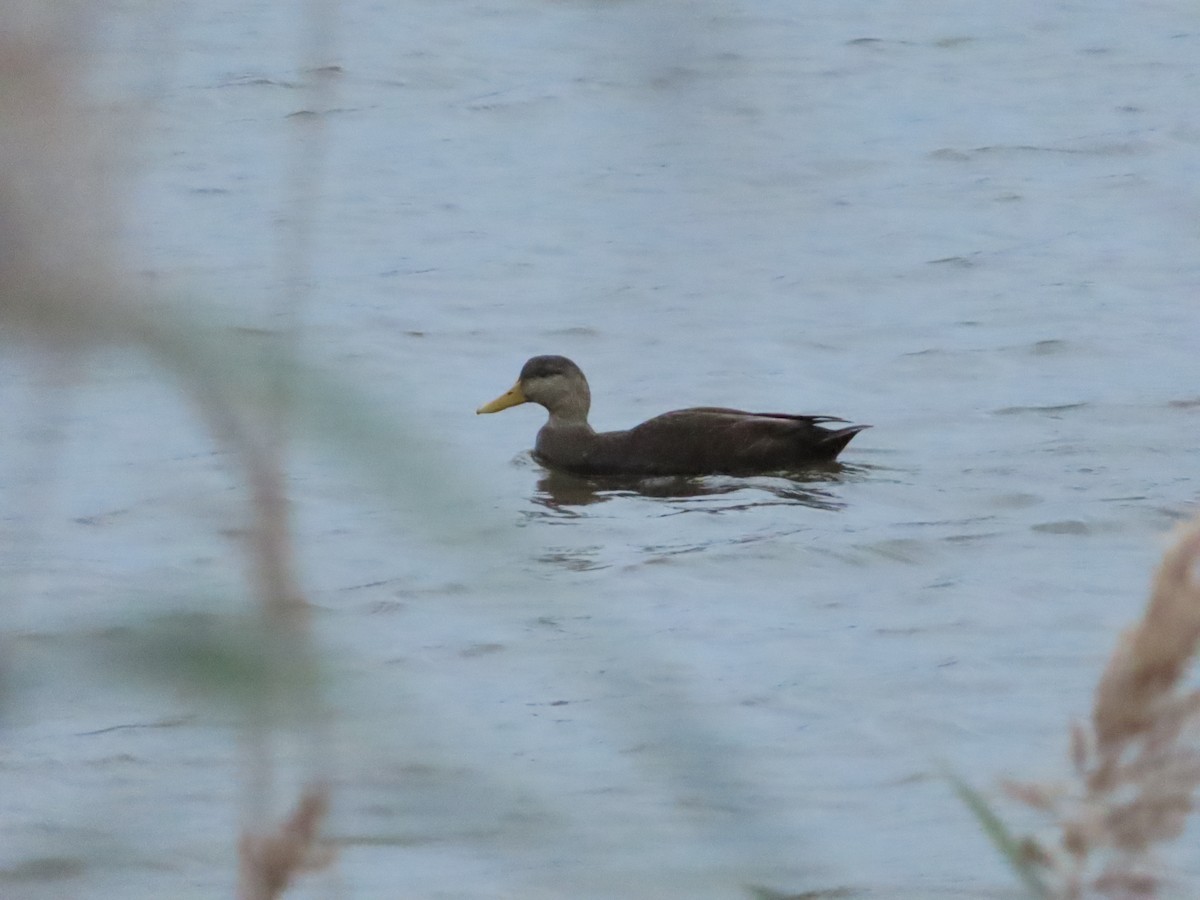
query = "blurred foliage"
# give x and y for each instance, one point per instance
(236, 372)
(237, 662)
(763, 893)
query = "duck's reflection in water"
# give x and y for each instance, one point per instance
(561, 494)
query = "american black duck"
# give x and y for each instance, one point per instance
(703, 440)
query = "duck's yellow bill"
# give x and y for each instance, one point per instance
(514, 396)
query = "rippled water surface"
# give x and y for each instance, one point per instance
(972, 227)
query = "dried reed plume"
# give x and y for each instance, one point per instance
(1137, 766)
(269, 862)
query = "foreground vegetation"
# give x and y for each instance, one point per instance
(1135, 763)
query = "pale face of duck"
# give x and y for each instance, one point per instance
(550, 381)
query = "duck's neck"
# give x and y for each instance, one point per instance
(569, 417)
(568, 405)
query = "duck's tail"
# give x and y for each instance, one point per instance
(835, 441)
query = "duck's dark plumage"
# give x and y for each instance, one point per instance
(701, 440)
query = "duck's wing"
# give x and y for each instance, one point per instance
(741, 413)
(707, 439)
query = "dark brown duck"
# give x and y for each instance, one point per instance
(702, 440)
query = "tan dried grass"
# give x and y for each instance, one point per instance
(270, 862)
(58, 210)
(1136, 763)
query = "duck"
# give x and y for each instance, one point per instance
(701, 440)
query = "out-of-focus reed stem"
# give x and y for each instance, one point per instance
(61, 284)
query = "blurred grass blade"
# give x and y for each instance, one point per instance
(240, 374)
(766, 893)
(387, 445)
(237, 662)
(1002, 839)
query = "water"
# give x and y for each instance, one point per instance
(971, 227)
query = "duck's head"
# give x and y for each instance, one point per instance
(551, 381)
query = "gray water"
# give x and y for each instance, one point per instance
(970, 226)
